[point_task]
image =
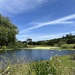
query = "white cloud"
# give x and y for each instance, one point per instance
(19, 6)
(55, 35)
(37, 37)
(64, 20)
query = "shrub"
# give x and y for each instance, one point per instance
(4, 47)
(55, 45)
(74, 47)
(68, 46)
(65, 46)
(61, 42)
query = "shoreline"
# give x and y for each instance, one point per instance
(53, 63)
(46, 48)
(38, 48)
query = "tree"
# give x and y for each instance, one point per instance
(8, 31)
(61, 42)
(29, 41)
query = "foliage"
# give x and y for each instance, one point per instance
(43, 68)
(29, 41)
(8, 31)
(55, 45)
(67, 46)
(35, 68)
(68, 39)
(74, 47)
(19, 44)
(61, 42)
(4, 47)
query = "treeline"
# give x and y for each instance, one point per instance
(67, 41)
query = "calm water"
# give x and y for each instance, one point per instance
(22, 56)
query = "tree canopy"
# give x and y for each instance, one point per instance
(8, 31)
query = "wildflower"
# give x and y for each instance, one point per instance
(8, 67)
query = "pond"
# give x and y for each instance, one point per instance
(23, 56)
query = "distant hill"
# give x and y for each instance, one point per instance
(68, 39)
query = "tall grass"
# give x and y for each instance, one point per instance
(19, 67)
(35, 68)
(57, 66)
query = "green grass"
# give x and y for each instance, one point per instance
(64, 65)
(59, 65)
(35, 68)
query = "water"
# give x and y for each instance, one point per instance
(23, 56)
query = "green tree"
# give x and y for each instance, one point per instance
(8, 31)
(61, 42)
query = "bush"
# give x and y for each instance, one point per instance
(55, 45)
(74, 47)
(4, 47)
(61, 42)
(65, 46)
(68, 46)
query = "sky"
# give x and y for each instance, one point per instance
(40, 19)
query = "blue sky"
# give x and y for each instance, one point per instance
(40, 19)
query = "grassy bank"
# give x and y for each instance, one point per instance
(63, 47)
(43, 48)
(47, 48)
(63, 65)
